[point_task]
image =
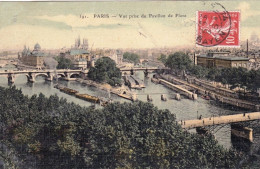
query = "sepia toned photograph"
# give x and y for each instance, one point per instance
(129, 84)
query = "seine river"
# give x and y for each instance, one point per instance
(185, 109)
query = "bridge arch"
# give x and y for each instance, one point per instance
(60, 75)
(72, 75)
(41, 74)
(21, 76)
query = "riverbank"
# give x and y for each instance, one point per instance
(222, 95)
(185, 109)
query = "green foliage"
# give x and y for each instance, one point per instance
(132, 57)
(105, 70)
(163, 58)
(178, 60)
(252, 79)
(235, 77)
(64, 63)
(199, 71)
(213, 73)
(129, 135)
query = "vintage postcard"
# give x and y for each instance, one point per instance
(129, 84)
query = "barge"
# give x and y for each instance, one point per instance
(87, 97)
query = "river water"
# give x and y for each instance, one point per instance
(185, 109)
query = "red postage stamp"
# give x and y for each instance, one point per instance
(218, 28)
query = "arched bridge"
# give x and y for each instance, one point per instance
(146, 70)
(49, 75)
(66, 74)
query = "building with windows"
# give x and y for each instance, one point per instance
(33, 58)
(79, 54)
(222, 60)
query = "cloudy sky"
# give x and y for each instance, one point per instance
(57, 24)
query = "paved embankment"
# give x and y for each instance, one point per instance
(222, 97)
(178, 89)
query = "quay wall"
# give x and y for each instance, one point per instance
(219, 94)
(179, 89)
(211, 87)
(181, 82)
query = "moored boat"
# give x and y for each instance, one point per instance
(88, 97)
(68, 90)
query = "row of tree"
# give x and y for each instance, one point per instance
(235, 77)
(131, 57)
(105, 70)
(52, 133)
(64, 63)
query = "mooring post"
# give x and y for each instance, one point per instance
(10, 78)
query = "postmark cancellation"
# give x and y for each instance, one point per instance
(214, 28)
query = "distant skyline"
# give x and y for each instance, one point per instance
(57, 24)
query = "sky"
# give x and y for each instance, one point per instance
(55, 25)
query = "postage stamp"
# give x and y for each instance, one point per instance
(215, 28)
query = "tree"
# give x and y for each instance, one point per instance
(163, 58)
(178, 60)
(132, 57)
(199, 71)
(213, 73)
(254, 80)
(105, 70)
(236, 77)
(121, 135)
(64, 63)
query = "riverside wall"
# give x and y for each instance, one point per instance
(220, 94)
(179, 89)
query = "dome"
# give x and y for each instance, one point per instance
(37, 46)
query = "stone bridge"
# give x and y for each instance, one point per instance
(146, 70)
(66, 74)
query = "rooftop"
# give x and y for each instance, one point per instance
(223, 52)
(226, 58)
(232, 58)
(38, 53)
(78, 51)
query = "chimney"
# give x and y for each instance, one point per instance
(247, 48)
(195, 59)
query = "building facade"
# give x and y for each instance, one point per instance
(222, 60)
(33, 58)
(79, 54)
